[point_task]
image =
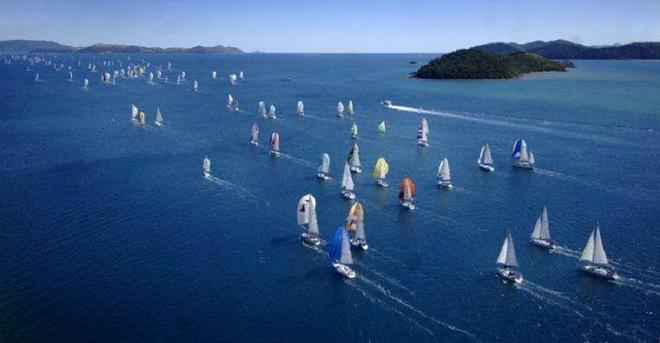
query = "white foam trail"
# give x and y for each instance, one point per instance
(645, 287)
(243, 193)
(299, 161)
(499, 122)
(548, 297)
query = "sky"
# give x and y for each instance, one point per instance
(329, 26)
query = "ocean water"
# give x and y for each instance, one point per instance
(108, 232)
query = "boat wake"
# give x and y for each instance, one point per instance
(552, 297)
(505, 123)
(242, 193)
(299, 161)
(647, 288)
(566, 251)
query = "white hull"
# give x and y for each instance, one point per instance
(600, 271)
(382, 182)
(356, 170)
(159, 124)
(486, 167)
(408, 205)
(386, 103)
(348, 195)
(353, 136)
(357, 243)
(510, 275)
(322, 176)
(549, 244)
(275, 153)
(445, 184)
(206, 175)
(344, 270)
(422, 143)
(254, 143)
(523, 165)
(309, 239)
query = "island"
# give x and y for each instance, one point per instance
(563, 49)
(480, 64)
(35, 46)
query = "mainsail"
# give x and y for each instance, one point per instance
(443, 171)
(351, 110)
(347, 180)
(195, 85)
(271, 111)
(354, 130)
(354, 156)
(206, 165)
(485, 157)
(262, 108)
(407, 191)
(594, 252)
(159, 116)
(230, 101)
(306, 214)
(542, 226)
(275, 142)
(300, 108)
(381, 127)
(507, 255)
(340, 109)
(381, 169)
(324, 167)
(254, 135)
(134, 112)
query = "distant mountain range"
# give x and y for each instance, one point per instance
(562, 49)
(25, 46)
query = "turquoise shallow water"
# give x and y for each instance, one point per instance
(109, 233)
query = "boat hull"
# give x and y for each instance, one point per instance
(422, 143)
(358, 243)
(348, 195)
(523, 165)
(381, 182)
(544, 243)
(356, 170)
(603, 272)
(322, 176)
(486, 167)
(159, 124)
(408, 205)
(445, 184)
(344, 270)
(510, 275)
(255, 143)
(309, 239)
(275, 153)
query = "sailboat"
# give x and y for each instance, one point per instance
(300, 108)
(275, 144)
(232, 79)
(594, 258)
(195, 86)
(351, 110)
(214, 74)
(355, 223)
(70, 76)
(407, 193)
(422, 133)
(151, 77)
(306, 216)
(381, 127)
(183, 76)
(347, 185)
(340, 253)
(36, 78)
(522, 158)
(159, 118)
(444, 176)
(354, 159)
(340, 109)
(206, 167)
(178, 79)
(134, 113)
(85, 85)
(230, 102)
(354, 131)
(271, 112)
(380, 172)
(262, 109)
(241, 75)
(254, 135)
(485, 160)
(324, 167)
(507, 261)
(541, 234)
(141, 118)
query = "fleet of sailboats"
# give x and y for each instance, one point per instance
(507, 262)
(380, 172)
(355, 223)
(594, 260)
(306, 216)
(254, 135)
(541, 233)
(347, 185)
(407, 193)
(522, 157)
(340, 253)
(354, 159)
(324, 167)
(444, 175)
(485, 160)
(422, 133)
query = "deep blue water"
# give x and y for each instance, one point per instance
(108, 232)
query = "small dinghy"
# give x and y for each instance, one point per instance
(594, 260)
(485, 159)
(340, 253)
(407, 193)
(422, 133)
(275, 144)
(159, 118)
(324, 167)
(306, 216)
(354, 159)
(507, 261)
(522, 157)
(300, 108)
(340, 109)
(355, 223)
(347, 185)
(444, 175)
(380, 172)
(541, 233)
(254, 135)
(206, 167)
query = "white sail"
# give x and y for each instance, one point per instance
(232, 78)
(443, 171)
(545, 225)
(262, 108)
(354, 130)
(230, 100)
(531, 157)
(151, 77)
(351, 110)
(206, 165)
(407, 194)
(599, 256)
(536, 233)
(324, 167)
(425, 126)
(485, 157)
(507, 255)
(271, 111)
(254, 136)
(183, 76)
(70, 76)
(501, 258)
(159, 116)
(346, 257)
(524, 156)
(300, 108)
(313, 225)
(303, 214)
(347, 179)
(340, 109)
(85, 84)
(134, 111)
(588, 252)
(214, 74)
(241, 75)
(354, 156)
(359, 230)
(195, 85)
